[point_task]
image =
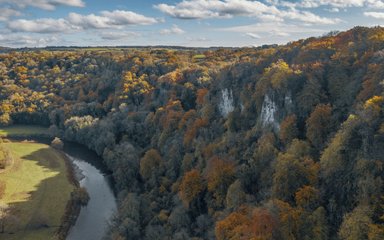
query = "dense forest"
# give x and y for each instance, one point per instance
(274, 142)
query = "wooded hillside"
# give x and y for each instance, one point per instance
(275, 142)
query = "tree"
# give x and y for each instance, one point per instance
(80, 196)
(151, 164)
(355, 225)
(200, 96)
(5, 119)
(256, 174)
(307, 197)
(135, 88)
(247, 223)
(191, 186)
(262, 224)
(5, 155)
(57, 143)
(220, 175)
(288, 129)
(319, 125)
(278, 74)
(232, 227)
(235, 195)
(294, 169)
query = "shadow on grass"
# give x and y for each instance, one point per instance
(40, 216)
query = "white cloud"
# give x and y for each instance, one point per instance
(43, 25)
(174, 30)
(333, 10)
(16, 40)
(253, 35)
(378, 15)
(202, 9)
(7, 13)
(118, 35)
(119, 17)
(44, 4)
(74, 21)
(197, 39)
(89, 21)
(334, 3)
(308, 17)
(272, 29)
(109, 19)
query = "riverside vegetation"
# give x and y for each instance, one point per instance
(274, 142)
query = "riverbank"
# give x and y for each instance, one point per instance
(77, 222)
(37, 192)
(24, 134)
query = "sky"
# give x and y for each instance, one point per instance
(192, 23)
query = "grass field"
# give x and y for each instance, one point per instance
(23, 130)
(37, 189)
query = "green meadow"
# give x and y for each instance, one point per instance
(37, 189)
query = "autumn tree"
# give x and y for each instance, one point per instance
(319, 125)
(356, 224)
(151, 164)
(278, 74)
(135, 88)
(191, 186)
(247, 223)
(294, 169)
(234, 226)
(288, 129)
(220, 174)
(307, 197)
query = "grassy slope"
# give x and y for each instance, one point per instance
(23, 130)
(38, 188)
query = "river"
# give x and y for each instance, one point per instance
(93, 220)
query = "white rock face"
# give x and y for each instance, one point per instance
(226, 105)
(288, 100)
(268, 111)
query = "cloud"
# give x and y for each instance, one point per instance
(43, 25)
(308, 17)
(174, 30)
(44, 4)
(89, 21)
(7, 13)
(203, 9)
(16, 40)
(378, 15)
(119, 17)
(272, 29)
(200, 9)
(197, 39)
(118, 35)
(334, 3)
(109, 19)
(253, 35)
(75, 21)
(333, 10)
